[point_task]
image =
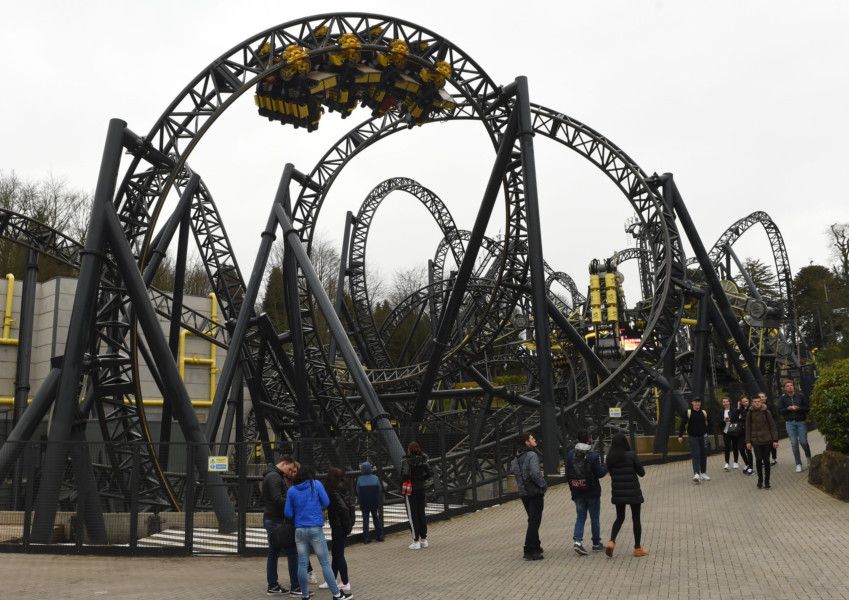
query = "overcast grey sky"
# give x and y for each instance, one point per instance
(745, 102)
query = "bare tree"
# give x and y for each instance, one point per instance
(407, 281)
(51, 202)
(838, 237)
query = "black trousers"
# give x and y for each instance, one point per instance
(731, 443)
(762, 461)
(533, 506)
(620, 518)
(337, 553)
(747, 455)
(416, 514)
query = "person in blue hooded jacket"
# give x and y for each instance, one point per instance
(370, 496)
(305, 503)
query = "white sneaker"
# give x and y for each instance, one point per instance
(424, 543)
(415, 546)
(345, 587)
(704, 477)
(735, 466)
(326, 585)
(312, 578)
(798, 468)
(726, 466)
(696, 477)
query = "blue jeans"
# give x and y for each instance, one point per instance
(583, 505)
(698, 451)
(798, 433)
(273, 554)
(375, 513)
(306, 537)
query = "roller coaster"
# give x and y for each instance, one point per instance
(438, 360)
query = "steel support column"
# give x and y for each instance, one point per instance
(245, 312)
(452, 307)
(340, 280)
(372, 402)
(722, 303)
(174, 390)
(80, 329)
(700, 343)
(539, 296)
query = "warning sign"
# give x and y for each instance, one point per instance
(218, 463)
(614, 412)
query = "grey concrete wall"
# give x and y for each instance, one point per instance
(53, 305)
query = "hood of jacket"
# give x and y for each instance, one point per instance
(365, 468)
(305, 485)
(581, 447)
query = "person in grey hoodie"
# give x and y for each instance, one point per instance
(370, 496)
(532, 486)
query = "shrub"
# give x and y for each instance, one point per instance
(830, 405)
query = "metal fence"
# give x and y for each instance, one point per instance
(113, 499)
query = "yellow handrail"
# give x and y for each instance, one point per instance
(211, 362)
(7, 315)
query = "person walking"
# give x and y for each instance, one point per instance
(370, 497)
(770, 406)
(584, 468)
(761, 434)
(731, 430)
(532, 487)
(695, 422)
(794, 408)
(305, 502)
(742, 411)
(416, 475)
(275, 484)
(625, 470)
(341, 515)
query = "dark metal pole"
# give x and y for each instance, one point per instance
(293, 313)
(340, 280)
(176, 309)
(452, 307)
(733, 351)
(700, 354)
(539, 297)
(22, 386)
(372, 402)
(77, 341)
(14, 444)
(174, 389)
(245, 313)
(722, 303)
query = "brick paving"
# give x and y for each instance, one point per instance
(719, 539)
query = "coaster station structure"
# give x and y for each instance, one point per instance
(578, 356)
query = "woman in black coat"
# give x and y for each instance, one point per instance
(625, 470)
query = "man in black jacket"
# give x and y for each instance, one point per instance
(696, 424)
(275, 484)
(794, 407)
(532, 486)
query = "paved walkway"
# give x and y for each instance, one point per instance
(720, 539)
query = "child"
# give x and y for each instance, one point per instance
(370, 495)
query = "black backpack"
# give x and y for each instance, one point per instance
(580, 476)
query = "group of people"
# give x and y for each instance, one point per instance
(584, 469)
(292, 494)
(750, 431)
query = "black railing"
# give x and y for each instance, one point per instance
(115, 499)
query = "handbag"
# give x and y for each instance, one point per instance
(407, 484)
(283, 536)
(733, 430)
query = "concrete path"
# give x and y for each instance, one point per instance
(719, 539)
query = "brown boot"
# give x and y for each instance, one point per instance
(640, 551)
(609, 548)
